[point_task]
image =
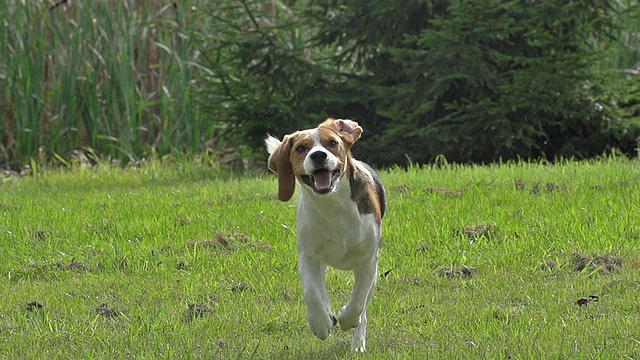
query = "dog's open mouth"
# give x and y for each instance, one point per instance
(322, 181)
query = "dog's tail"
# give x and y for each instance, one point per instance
(272, 143)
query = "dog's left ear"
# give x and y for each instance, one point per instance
(280, 163)
(349, 130)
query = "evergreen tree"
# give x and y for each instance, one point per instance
(480, 80)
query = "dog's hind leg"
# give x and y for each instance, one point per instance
(314, 287)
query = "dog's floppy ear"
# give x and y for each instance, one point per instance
(349, 130)
(280, 164)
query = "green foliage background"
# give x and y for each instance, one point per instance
(473, 81)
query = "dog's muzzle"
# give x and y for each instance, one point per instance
(322, 180)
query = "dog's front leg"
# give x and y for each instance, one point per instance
(354, 314)
(314, 287)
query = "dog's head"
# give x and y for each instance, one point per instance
(317, 157)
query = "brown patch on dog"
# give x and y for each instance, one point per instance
(444, 191)
(349, 132)
(606, 263)
(364, 194)
(280, 162)
(453, 272)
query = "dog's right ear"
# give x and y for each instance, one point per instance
(280, 163)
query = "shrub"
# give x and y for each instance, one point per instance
(263, 75)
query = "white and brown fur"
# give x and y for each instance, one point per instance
(340, 210)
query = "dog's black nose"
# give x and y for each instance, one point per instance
(318, 156)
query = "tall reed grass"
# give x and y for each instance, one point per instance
(113, 76)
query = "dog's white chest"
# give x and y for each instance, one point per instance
(336, 233)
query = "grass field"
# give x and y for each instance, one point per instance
(521, 261)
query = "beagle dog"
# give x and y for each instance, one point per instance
(340, 210)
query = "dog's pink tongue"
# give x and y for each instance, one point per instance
(322, 179)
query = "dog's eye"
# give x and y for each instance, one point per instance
(301, 149)
(332, 143)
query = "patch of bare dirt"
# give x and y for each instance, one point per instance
(181, 220)
(400, 189)
(583, 302)
(39, 235)
(548, 265)
(196, 311)
(539, 187)
(34, 305)
(444, 191)
(549, 187)
(454, 272)
(220, 241)
(229, 242)
(423, 247)
(606, 263)
(74, 266)
(240, 286)
(412, 309)
(478, 232)
(166, 249)
(32, 270)
(4, 206)
(415, 281)
(108, 311)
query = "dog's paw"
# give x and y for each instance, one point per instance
(321, 323)
(348, 319)
(359, 335)
(358, 344)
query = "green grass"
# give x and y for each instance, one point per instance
(183, 262)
